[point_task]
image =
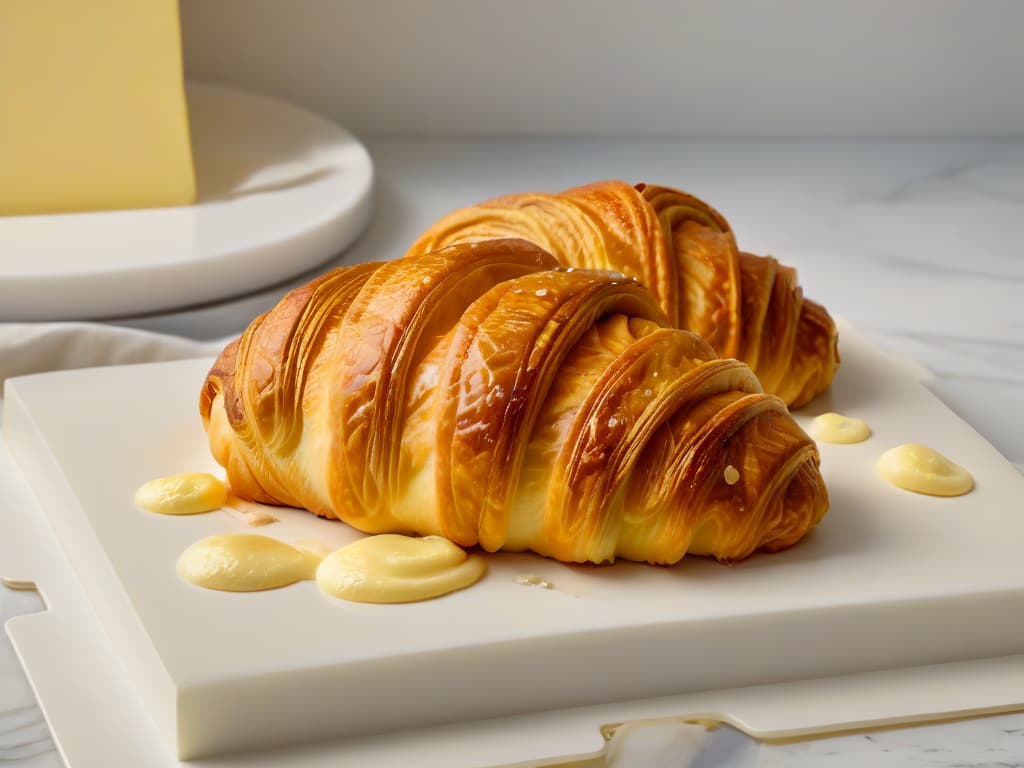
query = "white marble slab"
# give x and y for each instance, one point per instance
(24, 738)
(917, 244)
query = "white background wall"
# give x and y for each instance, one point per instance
(705, 68)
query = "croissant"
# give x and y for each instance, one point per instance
(484, 394)
(747, 307)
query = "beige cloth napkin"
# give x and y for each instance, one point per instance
(37, 347)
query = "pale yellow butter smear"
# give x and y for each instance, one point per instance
(390, 568)
(533, 580)
(837, 428)
(249, 512)
(920, 469)
(187, 494)
(245, 562)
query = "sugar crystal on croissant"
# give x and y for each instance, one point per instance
(482, 394)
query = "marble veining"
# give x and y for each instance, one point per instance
(23, 734)
(24, 738)
(917, 244)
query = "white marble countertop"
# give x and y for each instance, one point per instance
(918, 245)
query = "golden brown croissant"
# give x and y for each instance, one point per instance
(748, 307)
(482, 394)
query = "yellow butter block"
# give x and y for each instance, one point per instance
(93, 106)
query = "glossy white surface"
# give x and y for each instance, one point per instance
(280, 191)
(918, 244)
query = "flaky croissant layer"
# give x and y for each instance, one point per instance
(484, 394)
(745, 306)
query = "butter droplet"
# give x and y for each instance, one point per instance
(245, 562)
(390, 568)
(837, 428)
(920, 469)
(542, 292)
(731, 475)
(533, 580)
(187, 494)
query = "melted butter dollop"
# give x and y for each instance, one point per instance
(245, 562)
(837, 428)
(187, 494)
(390, 568)
(920, 469)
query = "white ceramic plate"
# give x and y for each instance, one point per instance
(280, 190)
(889, 580)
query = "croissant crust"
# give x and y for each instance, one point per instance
(482, 393)
(684, 251)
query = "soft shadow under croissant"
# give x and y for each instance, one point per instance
(748, 307)
(483, 394)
